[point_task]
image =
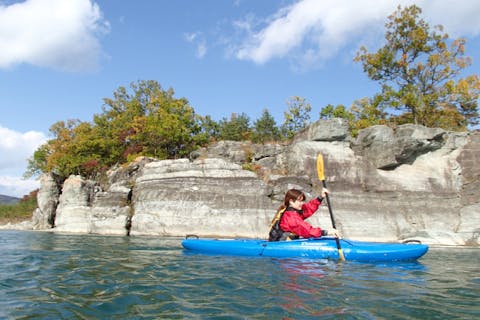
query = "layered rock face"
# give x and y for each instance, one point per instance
(386, 185)
(210, 196)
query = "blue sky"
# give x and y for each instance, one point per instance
(59, 59)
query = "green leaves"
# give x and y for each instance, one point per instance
(237, 128)
(297, 117)
(265, 129)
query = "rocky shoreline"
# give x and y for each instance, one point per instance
(387, 185)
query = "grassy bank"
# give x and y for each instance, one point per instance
(20, 211)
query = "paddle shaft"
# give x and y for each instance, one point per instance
(329, 207)
(337, 240)
(321, 177)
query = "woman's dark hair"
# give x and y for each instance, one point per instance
(292, 194)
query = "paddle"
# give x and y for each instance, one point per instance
(321, 177)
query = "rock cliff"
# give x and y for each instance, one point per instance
(386, 185)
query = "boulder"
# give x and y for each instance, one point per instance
(387, 149)
(335, 129)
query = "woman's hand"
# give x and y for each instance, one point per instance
(333, 232)
(324, 192)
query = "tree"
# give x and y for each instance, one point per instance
(149, 121)
(367, 112)
(330, 111)
(418, 72)
(73, 150)
(237, 128)
(37, 163)
(265, 128)
(297, 117)
(209, 130)
(116, 122)
(168, 127)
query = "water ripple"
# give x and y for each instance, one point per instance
(47, 276)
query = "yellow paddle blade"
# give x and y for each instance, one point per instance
(340, 255)
(321, 174)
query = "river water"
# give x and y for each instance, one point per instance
(51, 276)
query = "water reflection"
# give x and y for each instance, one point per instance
(306, 279)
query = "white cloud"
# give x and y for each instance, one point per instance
(15, 149)
(56, 34)
(460, 18)
(311, 32)
(197, 39)
(16, 186)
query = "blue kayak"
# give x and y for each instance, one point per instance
(317, 248)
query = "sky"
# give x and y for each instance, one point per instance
(59, 59)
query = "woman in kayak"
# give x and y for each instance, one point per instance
(289, 222)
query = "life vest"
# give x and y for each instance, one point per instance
(276, 233)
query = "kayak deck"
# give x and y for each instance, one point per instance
(319, 248)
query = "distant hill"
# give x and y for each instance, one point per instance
(8, 200)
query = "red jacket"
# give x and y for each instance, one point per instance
(293, 220)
